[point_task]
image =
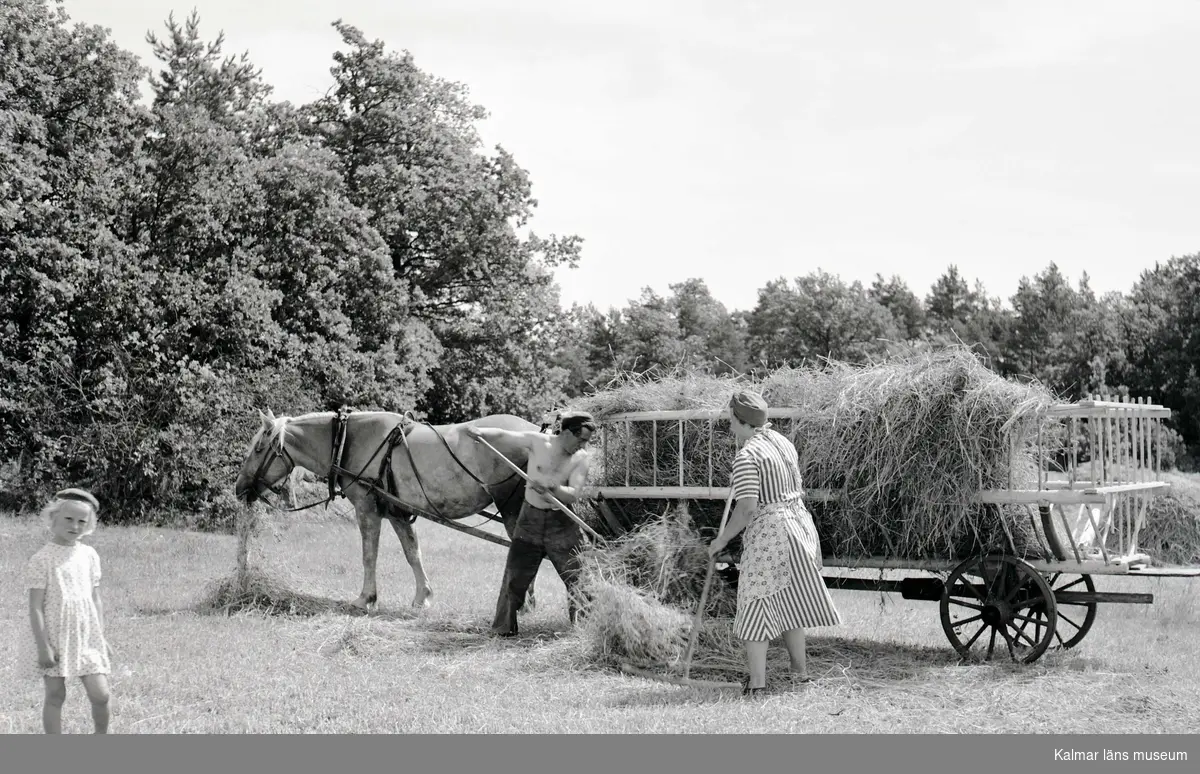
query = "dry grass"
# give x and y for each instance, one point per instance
(1172, 528)
(907, 444)
(180, 668)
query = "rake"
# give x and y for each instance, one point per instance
(695, 632)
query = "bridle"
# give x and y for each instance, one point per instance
(278, 451)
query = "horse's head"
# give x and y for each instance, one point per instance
(267, 462)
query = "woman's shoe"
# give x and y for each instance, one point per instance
(751, 692)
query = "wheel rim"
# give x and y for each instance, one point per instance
(998, 606)
(1075, 619)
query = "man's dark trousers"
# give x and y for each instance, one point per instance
(540, 534)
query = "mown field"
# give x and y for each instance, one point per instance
(183, 668)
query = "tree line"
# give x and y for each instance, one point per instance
(171, 265)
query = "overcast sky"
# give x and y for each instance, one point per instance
(743, 141)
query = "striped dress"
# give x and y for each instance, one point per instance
(779, 585)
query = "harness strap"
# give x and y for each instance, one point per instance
(340, 423)
(387, 476)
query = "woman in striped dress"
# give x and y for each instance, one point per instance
(780, 588)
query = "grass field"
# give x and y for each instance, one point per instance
(182, 669)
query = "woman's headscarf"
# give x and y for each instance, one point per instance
(749, 407)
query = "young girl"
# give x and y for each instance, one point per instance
(65, 611)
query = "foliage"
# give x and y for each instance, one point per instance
(169, 267)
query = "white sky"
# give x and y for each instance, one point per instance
(743, 141)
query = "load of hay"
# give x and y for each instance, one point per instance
(904, 446)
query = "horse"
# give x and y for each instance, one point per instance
(432, 470)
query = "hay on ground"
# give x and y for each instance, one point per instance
(252, 588)
(641, 593)
(1171, 530)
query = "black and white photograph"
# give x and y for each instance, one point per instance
(658, 368)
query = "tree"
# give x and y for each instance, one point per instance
(821, 316)
(69, 141)
(411, 158)
(1163, 330)
(960, 314)
(711, 338)
(895, 295)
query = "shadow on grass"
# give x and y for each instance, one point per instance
(833, 663)
(443, 637)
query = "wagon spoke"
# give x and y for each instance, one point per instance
(1063, 617)
(966, 621)
(971, 641)
(1072, 584)
(1017, 589)
(1021, 635)
(987, 584)
(970, 605)
(974, 592)
(1029, 604)
(1008, 641)
(992, 643)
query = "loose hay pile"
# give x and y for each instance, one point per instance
(640, 593)
(1171, 532)
(904, 445)
(251, 588)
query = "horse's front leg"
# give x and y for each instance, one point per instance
(412, 552)
(368, 528)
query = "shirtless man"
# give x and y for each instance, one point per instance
(558, 466)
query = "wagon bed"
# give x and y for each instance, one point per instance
(1088, 517)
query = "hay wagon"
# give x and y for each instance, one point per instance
(1087, 502)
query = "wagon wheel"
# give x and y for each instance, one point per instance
(998, 600)
(1075, 622)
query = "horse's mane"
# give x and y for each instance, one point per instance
(276, 433)
(279, 430)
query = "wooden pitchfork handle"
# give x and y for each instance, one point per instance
(712, 566)
(552, 498)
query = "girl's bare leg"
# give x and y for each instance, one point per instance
(56, 694)
(98, 694)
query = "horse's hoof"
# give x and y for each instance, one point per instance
(423, 599)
